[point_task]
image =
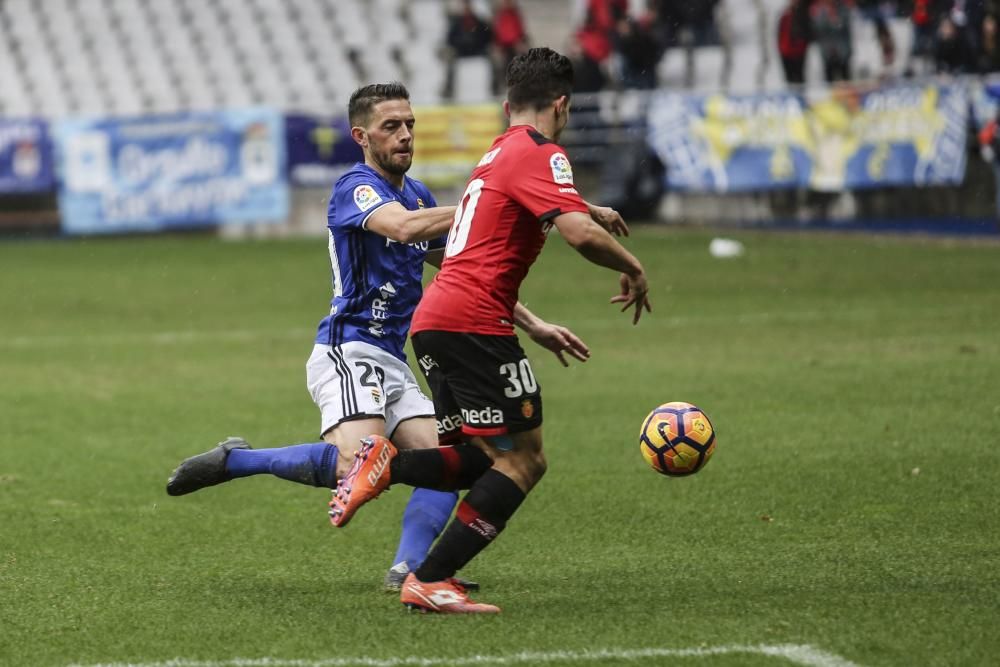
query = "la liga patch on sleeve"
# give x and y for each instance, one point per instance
(561, 171)
(365, 197)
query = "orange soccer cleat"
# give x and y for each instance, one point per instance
(442, 597)
(367, 478)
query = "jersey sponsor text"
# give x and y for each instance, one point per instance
(485, 416)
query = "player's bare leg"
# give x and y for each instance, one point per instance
(519, 457)
(347, 437)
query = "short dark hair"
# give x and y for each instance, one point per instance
(538, 77)
(364, 99)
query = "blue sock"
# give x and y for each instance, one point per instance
(423, 520)
(314, 464)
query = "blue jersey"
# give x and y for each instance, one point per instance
(377, 282)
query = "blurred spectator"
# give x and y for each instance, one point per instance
(925, 16)
(879, 12)
(469, 36)
(886, 43)
(793, 40)
(509, 39)
(688, 24)
(830, 22)
(989, 55)
(953, 51)
(593, 43)
(953, 32)
(692, 21)
(640, 49)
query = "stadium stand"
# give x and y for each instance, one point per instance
(125, 57)
(139, 56)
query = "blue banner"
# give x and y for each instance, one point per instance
(910, 135)
(25, 156)
(320, 150)
(181, 170)
(721, 143)
(983, 100)
(845, 138)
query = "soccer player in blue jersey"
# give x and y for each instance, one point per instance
(383, 226)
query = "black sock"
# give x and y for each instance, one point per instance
(441, 468)
(480, 517)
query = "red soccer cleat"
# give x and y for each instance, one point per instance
(442, 597)
(367, 478)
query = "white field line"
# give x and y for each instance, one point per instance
(797, 654)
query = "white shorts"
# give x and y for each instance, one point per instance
(357, 380)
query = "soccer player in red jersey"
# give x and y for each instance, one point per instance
(487, 401)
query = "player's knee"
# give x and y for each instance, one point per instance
(531, 455)
(532, 465)
(416, 433)
(538, 465)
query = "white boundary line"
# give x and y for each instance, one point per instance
(797, 654)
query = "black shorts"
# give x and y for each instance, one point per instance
(482, 385)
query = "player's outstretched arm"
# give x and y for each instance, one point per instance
(599, 247)
(608, 218)
(395, 222)
(553, 337)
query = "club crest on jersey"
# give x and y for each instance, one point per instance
(561, 171)
(365, 197)
(420, 203)
(489, 157)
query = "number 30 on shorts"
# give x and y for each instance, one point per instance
(520, 379)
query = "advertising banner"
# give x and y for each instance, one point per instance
(320, 149)
(983, 100)
(912, 135)
(25, 156)
(722, 143)
(845, 138)
(450, 140)
(181, 170)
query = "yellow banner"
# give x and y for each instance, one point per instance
(450, 140)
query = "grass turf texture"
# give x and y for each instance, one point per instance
(833, 368)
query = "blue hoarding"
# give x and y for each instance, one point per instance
(25, 156)
(844, 138)
(180, 170)
(730, 143)
(320, 150)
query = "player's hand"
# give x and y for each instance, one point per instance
(633, 293)
(610, 219)
(561, 341)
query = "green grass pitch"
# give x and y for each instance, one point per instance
(851, 507)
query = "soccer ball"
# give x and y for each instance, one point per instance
(677, 439)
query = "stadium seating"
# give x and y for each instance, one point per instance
(67, 57)
(753, 64)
